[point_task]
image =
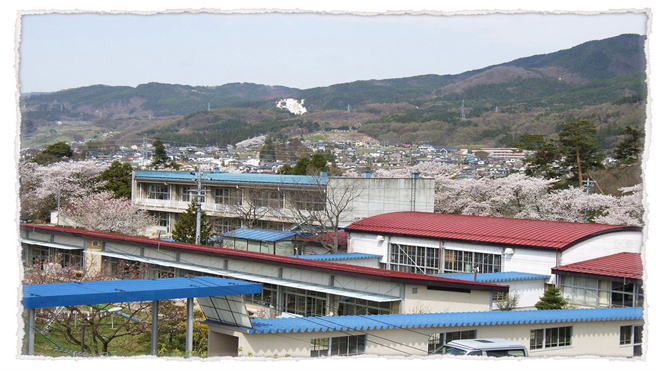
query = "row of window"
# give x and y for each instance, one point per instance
(310, 303)
(603, 293)
(426, 260)
(233, 196)
(539, 339)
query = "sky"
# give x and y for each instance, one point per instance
(61, 51)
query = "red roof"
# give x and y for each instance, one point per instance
(625, 265)
(325, 266)
(497, 230)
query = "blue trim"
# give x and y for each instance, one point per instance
(436, 320)
(260, 235)
(255, 178)
(338, 256)
(491, 277)
(114, 291)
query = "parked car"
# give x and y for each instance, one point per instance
(491, 347)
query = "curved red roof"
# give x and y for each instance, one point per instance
(325, 266)
(625, 264)
(496, 230)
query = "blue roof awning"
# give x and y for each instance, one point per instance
(492, 277)
(256, 178)
(437, 320)
(338, 256)
(260, 235)
(114, 291)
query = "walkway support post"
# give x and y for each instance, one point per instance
(189, 327)
(154, 328)
(30, 332)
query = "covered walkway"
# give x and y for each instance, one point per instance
(114, 291)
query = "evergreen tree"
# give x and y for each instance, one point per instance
(285, 170)
(54, 153)
(118, 179)
(267, 152)
(630, 148)
(579, 148)
(551, 300)
(184, 229)
(159, 157)
(542, 162)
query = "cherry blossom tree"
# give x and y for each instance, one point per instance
(44, 188)
(102, 212)
(521, 196)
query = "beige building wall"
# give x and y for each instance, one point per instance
(421, 299)
(588, 339)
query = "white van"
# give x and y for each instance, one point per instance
(491, 347)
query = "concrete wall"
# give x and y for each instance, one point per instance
(588, 339)
(383, 195)
(421, 299)
(603, 245)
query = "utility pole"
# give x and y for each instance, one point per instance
(198, 197)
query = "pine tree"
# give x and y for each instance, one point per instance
(118, 179)
(630, 148)
(579, 147)
(551, 300)
(184, 229)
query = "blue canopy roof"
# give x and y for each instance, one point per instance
(433, 320)
(260, 235)
(338, 256)
(234, 177)
(113, 291)
(492, 277)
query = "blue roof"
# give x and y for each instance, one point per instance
(338, 256)
(235, 177)
(260, 235)
(437, 320)
(113, 291)
(491, 277)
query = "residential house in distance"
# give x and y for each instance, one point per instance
(276, 202)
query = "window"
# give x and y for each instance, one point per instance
(506, 353)
(338, 346)
(579, 290)
(228, 196)
(305, 302)
(188, 194)
(626, 294)
(632, 334)
(265, 298)
(551, 337)
(269, 198)
(410, 258)
(355, 306)
(157, 191)
(159, 272)
(162, 217)
(222, 225)
(437, 340)
(309, 201)
(38, 257)
(464, 261)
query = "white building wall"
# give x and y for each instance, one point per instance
(384, 195)
(530, 260)
(420, 299)
(588, 339)
(528, 292)
(603, 245)
(368, 243)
